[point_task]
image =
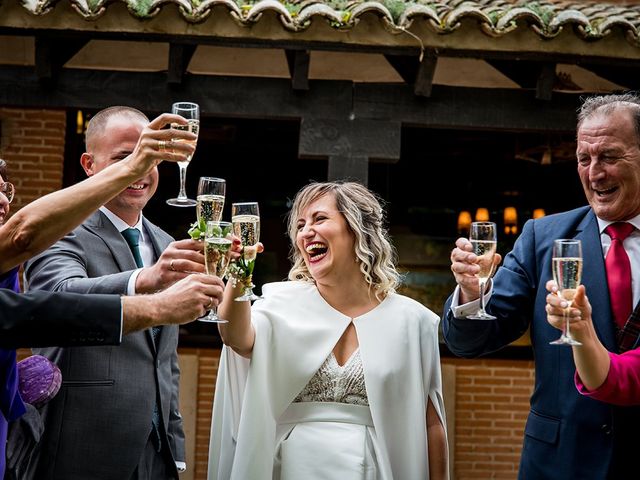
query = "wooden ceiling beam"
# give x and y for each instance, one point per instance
(298, 62)
(415, 71)
(179, 57)
(52, 53)
(255, 97)
(540, 76)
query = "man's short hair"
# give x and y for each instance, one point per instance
(607, 104)
(99, 121)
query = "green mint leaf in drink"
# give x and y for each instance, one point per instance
(195, 231)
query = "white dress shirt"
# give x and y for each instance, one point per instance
(144, 244)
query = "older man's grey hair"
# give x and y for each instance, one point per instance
(608, 104)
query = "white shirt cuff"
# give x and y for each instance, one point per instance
(121, 317)
(131, 286)
(463, 311)
(181, 466)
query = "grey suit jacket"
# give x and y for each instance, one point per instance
(98, 425)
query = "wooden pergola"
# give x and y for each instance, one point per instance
(353, 73)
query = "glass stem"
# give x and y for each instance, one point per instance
(565, 312)
(482, 284)
(183, 177)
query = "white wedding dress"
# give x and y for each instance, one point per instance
(327, 432)
(291, 413)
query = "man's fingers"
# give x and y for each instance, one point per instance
(187, 244)
(165, 119)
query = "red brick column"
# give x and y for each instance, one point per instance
(32, 143)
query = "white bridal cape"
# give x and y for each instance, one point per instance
(296, 330)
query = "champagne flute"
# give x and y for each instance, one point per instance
(217, 252)
(191, 112)
(210, 200)
(483, 238)
(567, 273)
(245, 218)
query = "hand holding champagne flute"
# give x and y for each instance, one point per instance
(483, 238)
(217, 252)
(567, 273)
(191, 112)
(246, 226)
(211, 195)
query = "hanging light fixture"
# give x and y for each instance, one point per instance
(538, 213)
(79, 123)
(482, 215)
(464, 222)
(510, 221)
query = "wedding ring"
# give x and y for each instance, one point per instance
(171, 267)
(162, 146)
(208, 305)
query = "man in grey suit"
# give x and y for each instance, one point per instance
(116, 416)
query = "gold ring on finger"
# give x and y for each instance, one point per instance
(162, 145)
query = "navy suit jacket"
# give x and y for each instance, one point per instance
(567, 435)
(39, 319)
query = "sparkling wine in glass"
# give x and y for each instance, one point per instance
(245, 218)
(210, 200)
(191, 112)
(483, 237)
(567, 273)
(217, 252)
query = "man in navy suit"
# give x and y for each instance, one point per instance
(567, 436)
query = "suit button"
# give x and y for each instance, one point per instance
(606, 429)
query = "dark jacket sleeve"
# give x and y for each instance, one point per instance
(39, 319)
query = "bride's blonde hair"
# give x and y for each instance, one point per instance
(364, 215)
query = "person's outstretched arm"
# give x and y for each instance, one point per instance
(591, 358)
(41, 223)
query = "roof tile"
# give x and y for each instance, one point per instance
(591, 21)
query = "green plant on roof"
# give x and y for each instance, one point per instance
(141, 7)
(545, 13)
(396, 8)
(93, 5)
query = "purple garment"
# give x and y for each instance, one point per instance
(11, 405)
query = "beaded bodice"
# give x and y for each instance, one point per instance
(335, 383)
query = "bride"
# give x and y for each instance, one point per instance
(332, 375)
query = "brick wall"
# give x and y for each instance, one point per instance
(32, 143)
(207, 374)
(492, 403)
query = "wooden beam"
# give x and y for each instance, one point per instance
(252, 97)
(298, 62)
(293, 42)
(179, 58)
(339, 138)
(546, 81)
(529, 74)
(52, 53)
(424, 78)
(351, 168)
(415, 72)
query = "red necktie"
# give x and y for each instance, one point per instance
(619, 272)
